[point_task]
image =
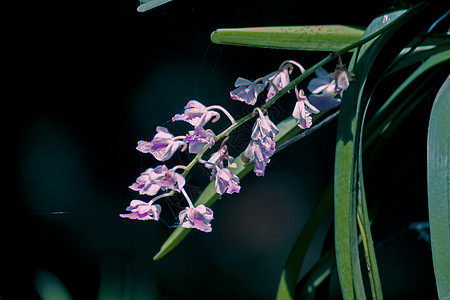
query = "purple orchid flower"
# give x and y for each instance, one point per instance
(196, 217)
(262, 145)
(303, 109)
(196, 114)
(260, 151)
(143, 211)
(198, 138)
(217, 158)
(342, 77)
(323, 89)
(163, 145)
(278, 80)
(263, 128)
(247, 91)
(152, 180)
(226, 181)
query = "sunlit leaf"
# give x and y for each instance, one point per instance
(314, 37)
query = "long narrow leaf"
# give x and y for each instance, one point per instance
(348, 189)
(347, 257)
(406, 93)
(345, 180)
(439, 188)
(315, 37)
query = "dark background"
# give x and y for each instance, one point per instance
(90, 79)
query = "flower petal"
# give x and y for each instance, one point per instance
(317, 85)
(242, 81)
(322, 73)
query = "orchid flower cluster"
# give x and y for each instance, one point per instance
(326, 91)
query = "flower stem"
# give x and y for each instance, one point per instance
(187, 198)
(224, 111)
(293, 62)
(161, 196)
(179, 167)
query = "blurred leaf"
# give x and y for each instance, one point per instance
(439, 188)
(148, 5)
(314, 37)
(318, 273)
(49, 287)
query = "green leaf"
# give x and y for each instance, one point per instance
(410, 90)
(49, 287)
(314, 37)
(439, 188)
(318, 273)
(346, 189)
(148, 5)
(345, 186)
(349, 188)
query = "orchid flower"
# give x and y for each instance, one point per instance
(196, 217)
(323, 88)
(260, 151)
(198, 138)
(262, 145)
(303, 109)
(263, 127)
(247, 91)
(163, 145)
(226, 181)
(278, 81)
(217, 158)
(342, 77)
(152, 180)
(143, 211)
(198, 115)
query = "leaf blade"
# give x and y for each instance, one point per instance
(314, 37)
(438, 177)
(148, 5)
